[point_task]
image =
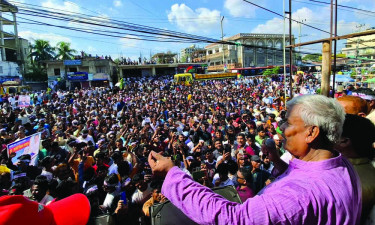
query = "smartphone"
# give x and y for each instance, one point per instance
(123, 197)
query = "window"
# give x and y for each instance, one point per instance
(73, 69)
(56, 72)
(100, 69)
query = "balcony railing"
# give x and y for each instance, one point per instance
(221, 67)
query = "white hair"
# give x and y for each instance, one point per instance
(321, 111)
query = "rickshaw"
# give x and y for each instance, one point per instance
(183, 79)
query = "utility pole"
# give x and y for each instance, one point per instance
(284, 54)
(222, 40)
(290, 50)
(334, 53)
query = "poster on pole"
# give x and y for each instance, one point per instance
(28, 145)
(23, 101)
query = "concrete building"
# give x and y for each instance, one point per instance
(163, 58)
(363, 47)
(187, 55)
(82, 73)
(240, 55)
(13, 50)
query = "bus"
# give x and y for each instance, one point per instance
(258, 71)
(187, 78)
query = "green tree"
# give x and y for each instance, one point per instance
(64, 51)
(312, 57)
(41, 50)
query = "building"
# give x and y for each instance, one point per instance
(187, 55)
(82, 73)
(165, 58)
(250, 50)
(13, 50)
(199, 56)
(360, 47)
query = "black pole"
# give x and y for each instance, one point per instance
(290, 51)
(334, 52)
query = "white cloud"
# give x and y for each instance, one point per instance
(239, 8)
(65, 6)
(129, 42)
(273, 26)
(117, 3)
(201, 20)
(52, 38)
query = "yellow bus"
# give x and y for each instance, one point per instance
(187, 78)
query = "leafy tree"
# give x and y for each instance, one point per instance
(64, 51)
(41, 50)
(312, 57)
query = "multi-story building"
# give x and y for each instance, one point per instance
(82, 73)
(13, 50)
(363, 47)
(188, 54)
(250, 50)
(165, 58)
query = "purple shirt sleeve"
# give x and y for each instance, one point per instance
(204, 206)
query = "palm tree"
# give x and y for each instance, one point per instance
(41, 50)
(64, 51)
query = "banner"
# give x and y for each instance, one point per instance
(78, 75)
(77, 62)
(28, 145)
(24, 101)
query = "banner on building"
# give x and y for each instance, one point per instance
(23, 101)
(78, 75)
(28, 145)
(72, 62)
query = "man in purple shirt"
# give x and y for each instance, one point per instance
(319, 186)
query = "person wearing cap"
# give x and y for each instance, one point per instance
(319, 186)
(260, 176)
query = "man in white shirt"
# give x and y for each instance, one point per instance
(143, 192)
(221, 179)
(39, 191)
(85, 137)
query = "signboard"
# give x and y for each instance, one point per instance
(91, 76)
(28, 145)
(72, 62)
(24, 101)
(5, 79)
(100, 76)
(78, 76)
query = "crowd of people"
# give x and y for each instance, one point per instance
(104, 143)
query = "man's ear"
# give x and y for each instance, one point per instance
(362, 114)
(312, 133)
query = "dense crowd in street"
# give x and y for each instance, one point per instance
(99, 142)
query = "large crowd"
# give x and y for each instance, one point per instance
(98, 141)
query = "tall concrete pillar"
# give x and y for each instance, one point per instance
(153, 71)
(3, 57)
(326, 68)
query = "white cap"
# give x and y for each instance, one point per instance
(276, 137)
